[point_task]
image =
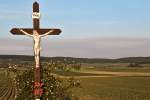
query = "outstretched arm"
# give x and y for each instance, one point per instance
(47, 33)
(25, 33)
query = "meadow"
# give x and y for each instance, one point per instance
(99, 81)
(116, 82)
(7, 87)
(115, 88)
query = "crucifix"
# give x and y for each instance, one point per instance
(36, 33)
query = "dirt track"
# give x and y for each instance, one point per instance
(107, 74)
(119, 73)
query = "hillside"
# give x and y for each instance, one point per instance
(23, 58)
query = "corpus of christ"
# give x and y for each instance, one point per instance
(36, 33)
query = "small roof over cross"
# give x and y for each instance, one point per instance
(36, 25)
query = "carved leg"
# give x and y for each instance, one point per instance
(37, 58)
(35, 53)
(37, 75)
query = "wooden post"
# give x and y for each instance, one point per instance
(37, 71)
(36, 33)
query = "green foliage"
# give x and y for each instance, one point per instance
(4, 59)
(54, 88)
(134, 65)
(64, 65)
(24, 84)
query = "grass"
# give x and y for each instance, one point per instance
(70, 73)
(106, 88)
(119, 67)
(7, 90)
(116, 88)
(112, 88)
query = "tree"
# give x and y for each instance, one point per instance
(134, 65)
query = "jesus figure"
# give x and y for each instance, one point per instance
(37, 38)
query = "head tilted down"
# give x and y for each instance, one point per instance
(35, 32)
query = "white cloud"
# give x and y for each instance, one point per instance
(94, 47)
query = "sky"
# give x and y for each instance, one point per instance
(98, 27)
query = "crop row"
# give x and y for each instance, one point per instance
(7, 90)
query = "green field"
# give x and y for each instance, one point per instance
(97, 83)
(116, 67)
(113, 82)
(7, 88)
(115, 88)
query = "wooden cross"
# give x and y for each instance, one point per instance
(36, 33)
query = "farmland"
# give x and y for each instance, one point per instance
(116, 88)
(7, 88)
(99, 81)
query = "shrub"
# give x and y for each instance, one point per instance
(54, 88)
